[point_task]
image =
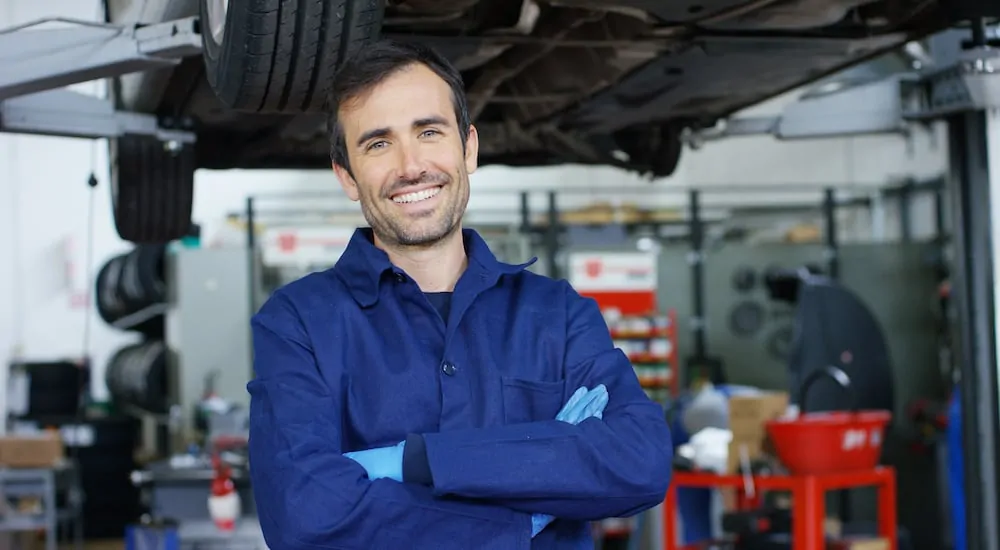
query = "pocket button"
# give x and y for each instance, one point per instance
(448, 368)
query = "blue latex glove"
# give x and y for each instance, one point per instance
(381, 462)
(582, 405)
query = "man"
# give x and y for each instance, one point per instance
(421, 394)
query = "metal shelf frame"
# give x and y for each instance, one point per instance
(44, 483)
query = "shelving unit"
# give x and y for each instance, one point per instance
(29, 501)
(650, 341)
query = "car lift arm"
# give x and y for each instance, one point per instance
(38, 60)
(885, 106)
(36, 65)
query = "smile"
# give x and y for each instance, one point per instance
(416, 196)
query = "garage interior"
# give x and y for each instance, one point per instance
(828, 251)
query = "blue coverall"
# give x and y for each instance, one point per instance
(357, 357)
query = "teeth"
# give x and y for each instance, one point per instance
(416, 196)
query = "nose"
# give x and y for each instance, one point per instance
(411, 166)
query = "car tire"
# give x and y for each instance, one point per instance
(279, 56)
(152, 188)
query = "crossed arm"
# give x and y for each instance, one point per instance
(617, 466)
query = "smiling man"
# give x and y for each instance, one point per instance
(422, 394)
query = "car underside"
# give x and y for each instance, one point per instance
(549, 82)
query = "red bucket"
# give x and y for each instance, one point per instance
(829, 442)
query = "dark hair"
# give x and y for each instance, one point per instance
(372, 64)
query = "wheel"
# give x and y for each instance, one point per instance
(138, 375)
(152, 188)
(131, 282)
(280, 55)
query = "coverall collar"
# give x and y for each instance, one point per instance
(363, 266)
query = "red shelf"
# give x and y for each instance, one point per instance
(645, 361)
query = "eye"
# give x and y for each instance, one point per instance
(376, 145)
(429, 132)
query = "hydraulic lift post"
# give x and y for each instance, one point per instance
(974, 149)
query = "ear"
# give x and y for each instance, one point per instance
(472, 150)
(346, 181)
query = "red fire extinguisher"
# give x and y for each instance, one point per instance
(224, 505)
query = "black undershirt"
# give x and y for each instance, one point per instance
(441, 302)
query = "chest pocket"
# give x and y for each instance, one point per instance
(531, 401)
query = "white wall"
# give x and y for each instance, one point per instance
(44, 205)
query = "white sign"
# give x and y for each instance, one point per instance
(613, 271)
(304, 246)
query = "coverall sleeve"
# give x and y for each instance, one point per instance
(308, 496)
(615, 467)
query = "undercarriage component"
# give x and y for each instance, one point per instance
(654, 150)
(513, 61)
(280, 55)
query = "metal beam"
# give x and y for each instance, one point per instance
(33, 60)
(971, 83)
(831, 252)
(975, 198)
(886, 106)
(65, 113)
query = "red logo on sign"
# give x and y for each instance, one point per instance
(593, 268)
(286, 242)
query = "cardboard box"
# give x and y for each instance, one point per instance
(748, 415)
(31, 451)
(749, 412)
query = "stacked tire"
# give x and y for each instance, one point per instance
(131, 295)
(129, 285)
(138, 375)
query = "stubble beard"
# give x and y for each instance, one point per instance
(394, 231)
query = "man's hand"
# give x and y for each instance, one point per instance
(582, 405)
(381, 462)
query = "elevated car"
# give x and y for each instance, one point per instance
(601, 82)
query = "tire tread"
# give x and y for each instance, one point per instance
(282, 54)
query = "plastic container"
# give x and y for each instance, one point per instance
(829, 442)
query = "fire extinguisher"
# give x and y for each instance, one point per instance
(224, 505)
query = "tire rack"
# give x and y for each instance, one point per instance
(132, 296)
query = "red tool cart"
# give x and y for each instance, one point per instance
(808, 503)
(822, 451)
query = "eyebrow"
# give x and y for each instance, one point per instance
(419, 123)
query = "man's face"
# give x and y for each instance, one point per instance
(410, 172)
